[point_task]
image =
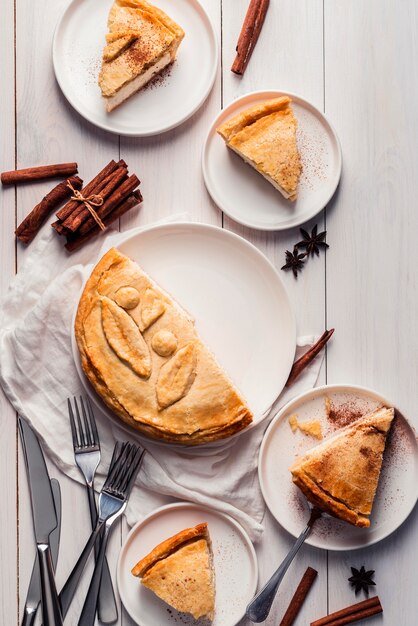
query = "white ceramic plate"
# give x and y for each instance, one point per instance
(77, 50)
(234, 558)
(244, 195)
(398, 486)
(234, 293)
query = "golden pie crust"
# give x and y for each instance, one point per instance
(142, 354)
(180, 571)
(341, 475)
(140, 36)
(265, 137)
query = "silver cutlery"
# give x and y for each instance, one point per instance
(33, 596)
(86, 446)
(44, 521)
(259, 607)
(113, 498)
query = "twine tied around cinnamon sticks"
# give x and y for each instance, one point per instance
(89, 202)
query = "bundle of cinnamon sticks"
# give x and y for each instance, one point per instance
(88, 210)
(104, 199)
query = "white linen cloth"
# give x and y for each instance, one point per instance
(38, 374)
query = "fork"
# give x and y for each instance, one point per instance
(259, 607)
(86, 446)
(126, 461)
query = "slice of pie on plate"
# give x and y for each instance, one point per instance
(180, 571)
(265, 137)
(341, 475)
(141, 352)
(142, 40)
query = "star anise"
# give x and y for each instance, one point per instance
(361, 579)
(312, 242)
(294, 261)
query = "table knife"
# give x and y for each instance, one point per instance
(33, 596)
(44, 521)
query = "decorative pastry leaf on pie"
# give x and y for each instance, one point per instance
(141, 41)
(152, 307)
(176, 376)
(265, 137)
(141, 352)
(341, 475)
(180, 571)
(125, 338)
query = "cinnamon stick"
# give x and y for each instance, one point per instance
(299, 597)
(250, 31)
(32, 223)
(90, 188)
(59, 227)
(308, 357)
(77, 240)
(38, 173)
(122, 192)
(81, 214)
(352, 613)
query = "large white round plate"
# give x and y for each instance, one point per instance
(234, 558)
(244, 195)
(77, 51)
(237, 298)
(398, 486)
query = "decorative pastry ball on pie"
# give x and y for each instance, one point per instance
(265, 137)
(142, 354)
(341, 475)
(141, 41)
(180, 571)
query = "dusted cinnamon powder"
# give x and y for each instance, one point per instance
(159, 79)
(343, 414)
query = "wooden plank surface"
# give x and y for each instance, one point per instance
(372, 283)
(357, 61)
(8, 431)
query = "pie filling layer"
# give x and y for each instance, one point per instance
(137, 83)
(264, 174)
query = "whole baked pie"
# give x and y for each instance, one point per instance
(265, 137)
(142, 40)
(180, 571)
(341, 475)
(142, 354)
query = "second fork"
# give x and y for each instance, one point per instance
(86, 446)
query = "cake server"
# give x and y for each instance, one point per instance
(33, 596)
(44, 521)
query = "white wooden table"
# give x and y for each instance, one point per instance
(357, 61)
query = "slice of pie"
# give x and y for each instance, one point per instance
(142, 40)
(141, 352)
(265, 137)
(180, 571)
(341, 475)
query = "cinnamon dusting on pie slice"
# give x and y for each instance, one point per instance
(265, 137)
(341, 475)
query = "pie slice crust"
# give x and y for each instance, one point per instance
(341, 475)
(141, 352)
(141, 41)
(180, 571)
(265, 137)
